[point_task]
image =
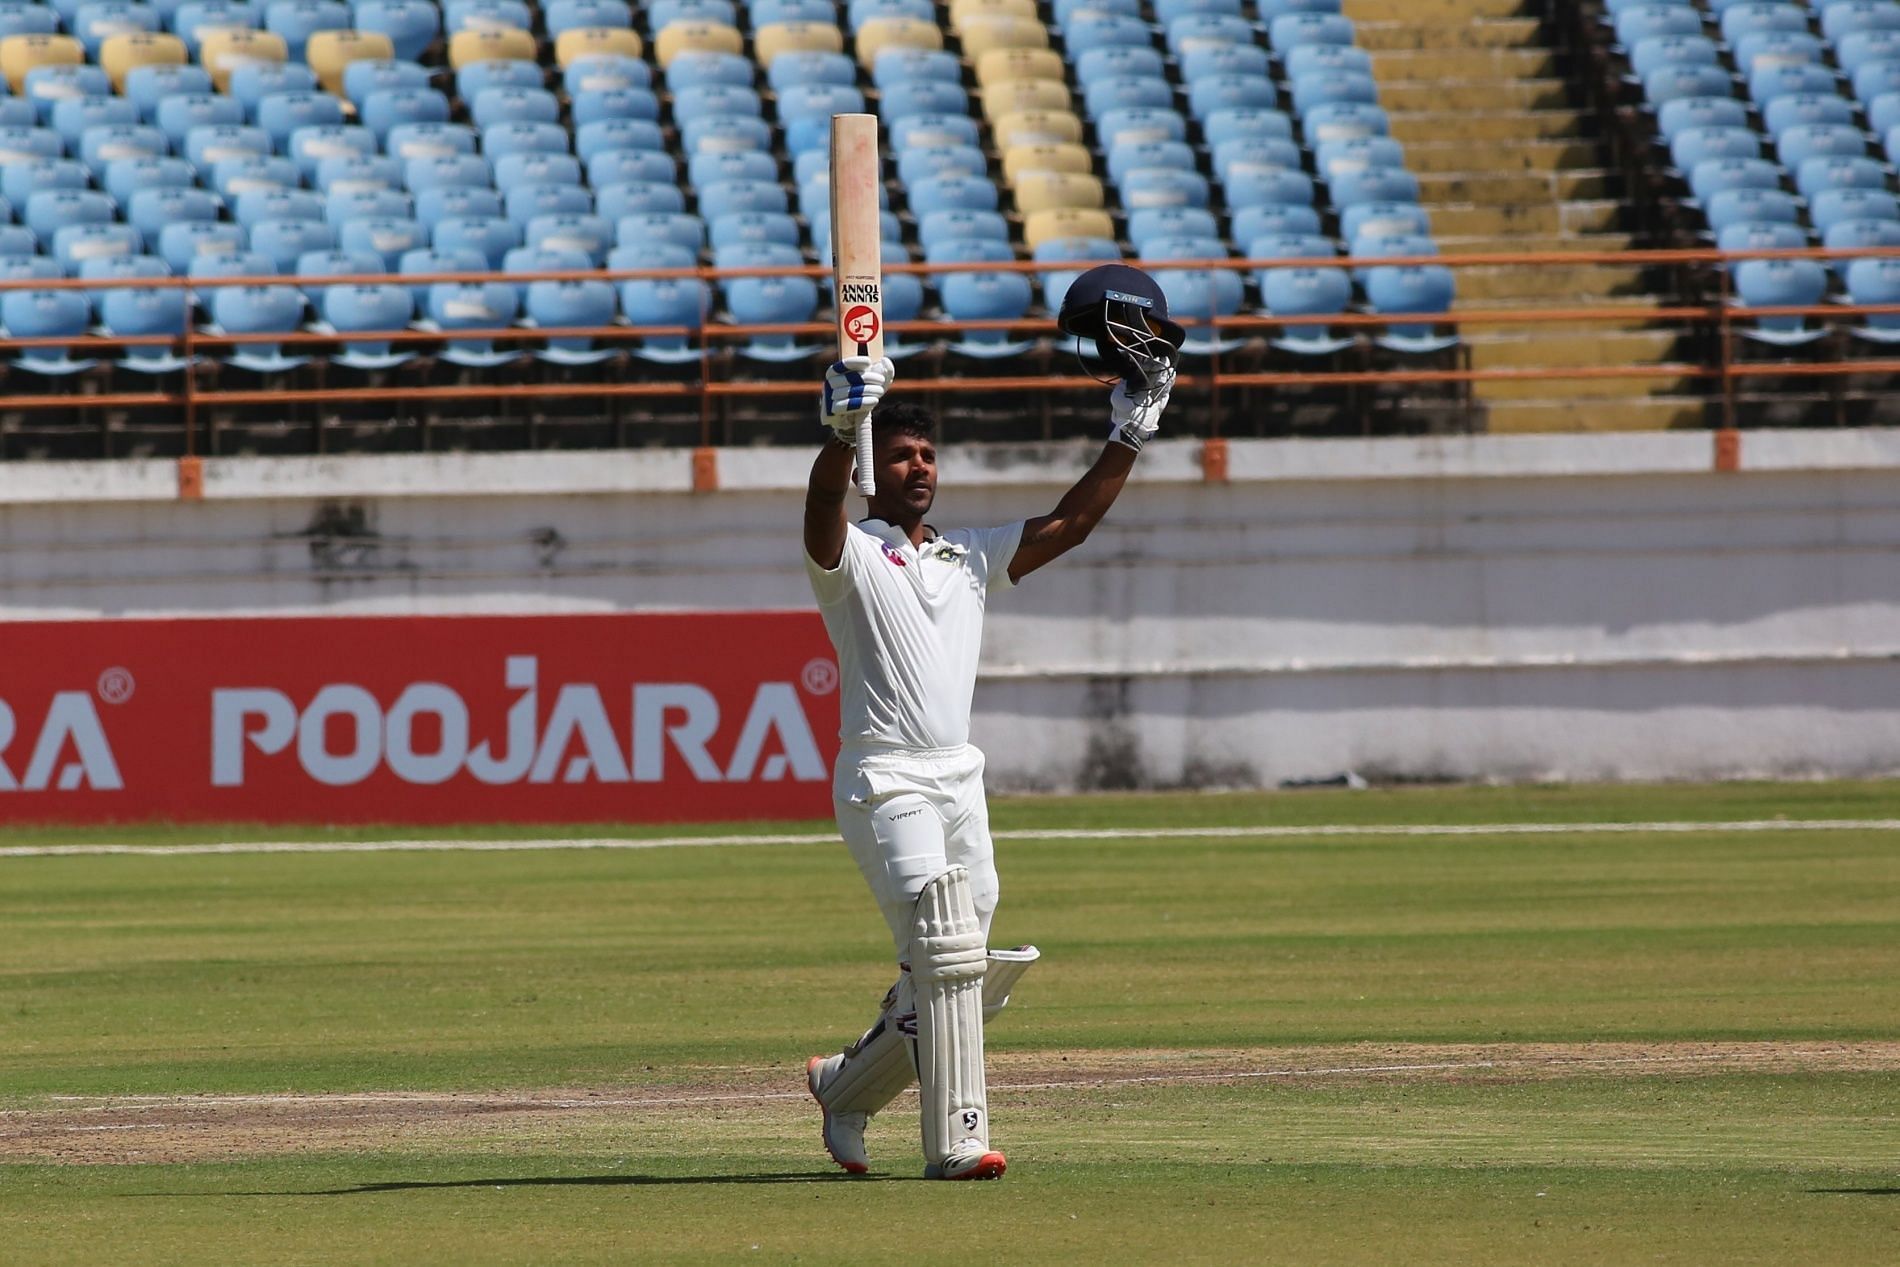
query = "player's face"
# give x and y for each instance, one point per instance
(906, 477)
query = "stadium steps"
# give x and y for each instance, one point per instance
(1510, 161)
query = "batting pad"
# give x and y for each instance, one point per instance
(877, 1067)
(947, 963)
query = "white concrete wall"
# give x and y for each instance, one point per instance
(1565, 607)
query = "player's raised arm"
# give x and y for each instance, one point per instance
(852, 389)
(1124, 312)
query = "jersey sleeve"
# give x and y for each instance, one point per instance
(991, 550)
(830, 585)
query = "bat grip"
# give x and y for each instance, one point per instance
(867, 478)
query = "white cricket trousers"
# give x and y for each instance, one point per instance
(907, 814)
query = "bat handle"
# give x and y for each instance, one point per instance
(867, 478)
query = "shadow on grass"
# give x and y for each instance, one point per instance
(551, 1181)
(1856, 1192)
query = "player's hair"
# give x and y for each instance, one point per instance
(901, 417)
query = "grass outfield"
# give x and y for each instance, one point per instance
(1580, 1047)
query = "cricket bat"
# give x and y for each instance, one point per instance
(857, 266)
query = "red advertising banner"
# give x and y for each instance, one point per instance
(423, 719)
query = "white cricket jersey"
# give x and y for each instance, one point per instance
(907, 623)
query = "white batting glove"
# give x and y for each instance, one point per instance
(1135, 418)
(853, 387)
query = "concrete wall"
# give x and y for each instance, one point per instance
(1566, 607)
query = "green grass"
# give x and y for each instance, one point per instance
(577, 969)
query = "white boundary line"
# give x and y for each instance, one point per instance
(1274, 832)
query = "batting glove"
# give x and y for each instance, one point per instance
(853, 387)
(1136, 417)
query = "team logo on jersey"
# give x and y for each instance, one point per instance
(895, 555)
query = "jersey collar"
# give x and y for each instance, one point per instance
(896, 536)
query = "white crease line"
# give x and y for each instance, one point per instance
(1266, 832)
(398, 1100)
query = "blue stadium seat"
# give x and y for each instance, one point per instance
(187, 19)
(254, 206)
(1832, 206)
(283, 113)
(1383, 217)
(1195, 298)
(182, 241)
(934, 227)
(1118, 62)
(146, 312)
(569, 15)
(704, 68)
(1731, 206)
(311, 145)
(1857, 49)
(1342, 121)
(1818, 174)
(367, 308)
(1669, 83)
(1849, 235)
(1125, 92)
(388, 108)
(284, 242)
(934, 161)
(955, 193)
(539, 259)
(103, 145)
(1713, 175)
(923, 96)
(634, 197)
(1313, 58)
(411, 25)
(1698, 145)
(603, 135)
(436, 205)
(1677, 116)
(150, 210)
(1224, 59)
(1738, 20)
(448, 171)
(1768, 82)
(1125, 158)
(232, 264)
(1248, 223)
(494, 106)
(523, 203)
(1356, 154)
(933, 129)
(490, 236)
(716, 101)
(1293, 30)
(1815, 140)
(231, 177)
(970, 251)
(1249, 184)
(297, 20)
(47, 86)
(772, 301)
(425, 262)
(1333, 89)
(28, 19)
(146, 86)
(1091, 29)
(365, 78)
(407, 141)
(1781, 284)
(801, 67)
(74, 115)
(526, 138)
(1642, 22)
(600, 72)
(477, 15)
(74, 243)
(1306, 292)
(46, 314)
(473, 78)
(1875, 282)
(1230, 92)
(1672, 50)
(1797, 109)
(640, 230)
(1373, 246)
(754, 226)
(588, 234)
(767, 12)
(1056, 282)
(726, 132)
(1165, 187)
(729, 196)
(251, 82)
(805, 110)
(48, 210)
(613, 167)
(1876, 79)
(21, 179)
(17, 242)
(345, 173)
(1293, 246)
(1776, 48)
(1192, 32)
(1748, 236)
(259, 310)
(858, 12)
(666, 301)
(615, 103)
(572, 304)
(1411, 289)
(384, 237)
(1223, 126)
(106, 268)
(1142, 123)
(986, 297)
(900, 65)
(456, 306)
(366, 204)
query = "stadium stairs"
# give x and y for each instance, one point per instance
(1510, 159)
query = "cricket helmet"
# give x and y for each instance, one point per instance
(1124, 313)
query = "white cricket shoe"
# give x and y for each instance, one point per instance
(843, 1132)
(971, 1161)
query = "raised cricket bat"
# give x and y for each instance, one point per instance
(857, 265)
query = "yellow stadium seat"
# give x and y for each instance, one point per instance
(21, 53)
(1049, 191)
(584, 41)
(221, 49)
(1066, 222)
(963, 11)
(879, 34)
(471, 45)
(1013, 96)
(795, 37)
(696, 37)
(122, 54)
(1045, 158)
(330, 53)
(981, 35)
(1000, 64)
(1037, 127)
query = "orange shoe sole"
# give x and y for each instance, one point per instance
(989, 1166)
